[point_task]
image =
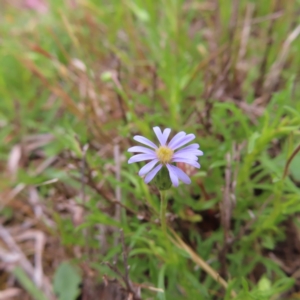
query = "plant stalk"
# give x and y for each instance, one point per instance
(163, 209)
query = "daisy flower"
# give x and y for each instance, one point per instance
(166, 154)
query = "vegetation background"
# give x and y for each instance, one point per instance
(78, 79)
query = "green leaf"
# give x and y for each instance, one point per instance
(294, 167)
(264, 284)
(140, 13)
(66, 282)
(161, 284)
(268, 242)
(252, 141)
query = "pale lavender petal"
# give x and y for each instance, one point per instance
(194, 146)
(148, 167)
(173, 176)
(183, 141)
(159, 135)
(189, 152)
(176, 137)
(166, 134)
(141, 149)
(152, 173)
(185, 156)
(141, 157)
(144, 141)
(180, 174)
(187, 161)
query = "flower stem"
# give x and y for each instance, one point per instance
(163, 209)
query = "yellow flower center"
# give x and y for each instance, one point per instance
(164, 154)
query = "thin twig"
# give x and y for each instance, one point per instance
(233, 20)
(287, 165)
(263, 66)
(199, 261)
(40, 241)
(154, 83)
(82, 170)
(125, 277)
(246, 30)
(248, 225)
(226, 215)
(24, 262)
(276, 68)
(115, 269)
(11, 293)
(117, 81)
(117, 190)
(118, 179)
(269, 17)
(126, 266)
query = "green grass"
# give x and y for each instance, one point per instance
(77, 83)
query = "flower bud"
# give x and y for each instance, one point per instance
(162, 180)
